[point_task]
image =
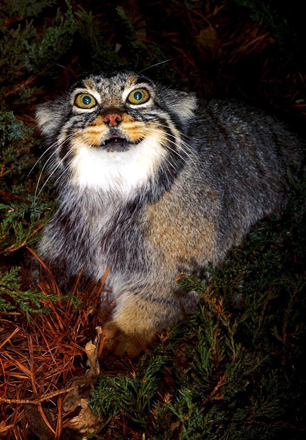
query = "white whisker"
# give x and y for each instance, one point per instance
(42, 170)
(55, 169)
(40, 157)
(58, 144)
(188, 151)
(185, 144)
(154, 65)
(54, 145)
(59, 177)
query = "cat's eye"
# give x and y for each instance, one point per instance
(84, 100)
(138, 96)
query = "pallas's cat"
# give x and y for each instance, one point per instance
(153, 183)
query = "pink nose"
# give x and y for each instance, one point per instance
(112, 119)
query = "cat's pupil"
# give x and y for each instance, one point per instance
(137, 96)
(86, 100)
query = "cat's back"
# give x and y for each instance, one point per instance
(240, 134)
(245, 161)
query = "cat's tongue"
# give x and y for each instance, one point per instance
(115, 136)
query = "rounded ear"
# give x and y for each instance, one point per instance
(183, 104)
(49, 116)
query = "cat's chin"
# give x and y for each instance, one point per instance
(116, 145)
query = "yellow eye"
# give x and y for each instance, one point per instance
(138, 96)
(84, 100)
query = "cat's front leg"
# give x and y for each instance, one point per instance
(122, 343)
(138, 317)
(135, 322)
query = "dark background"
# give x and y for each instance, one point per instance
(244, 49)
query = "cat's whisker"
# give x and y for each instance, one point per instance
(168, 162)
(51, 174)
(180, 156)
(56, 145)
(40, 157)
(154, 65)
(186, 145)
(188, 154)
(41, 172)
(177, 152)
(66, 170)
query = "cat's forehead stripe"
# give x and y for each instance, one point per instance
(141, 80)
(131, 80)
(113, 84)
(88, 82)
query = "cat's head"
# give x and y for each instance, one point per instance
(114, 133)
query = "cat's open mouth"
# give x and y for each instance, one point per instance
(115, 142)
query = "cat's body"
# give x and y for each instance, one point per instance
(154, 184)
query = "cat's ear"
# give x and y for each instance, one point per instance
(184, 105)
(49, 117)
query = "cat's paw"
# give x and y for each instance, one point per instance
(122, 344)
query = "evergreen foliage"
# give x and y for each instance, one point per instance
(29, 302)
(234, 370)
(274, 17)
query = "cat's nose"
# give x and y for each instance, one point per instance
(112, 119)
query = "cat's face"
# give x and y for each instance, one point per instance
(114, 133)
